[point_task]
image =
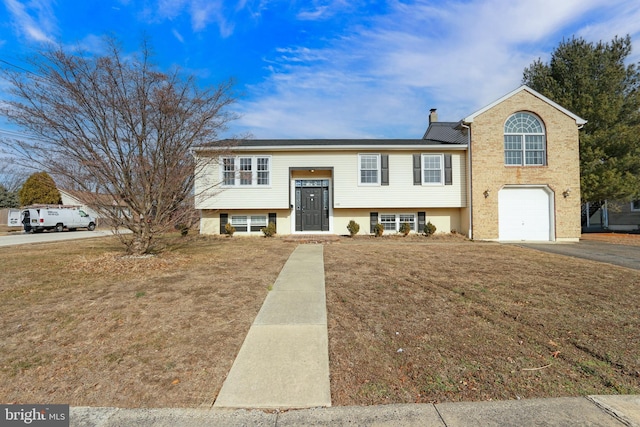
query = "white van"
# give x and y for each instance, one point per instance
(57, 218)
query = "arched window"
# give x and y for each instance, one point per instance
(525, 142)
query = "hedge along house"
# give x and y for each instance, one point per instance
(510, 171)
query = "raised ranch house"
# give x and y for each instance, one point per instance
(507, 172)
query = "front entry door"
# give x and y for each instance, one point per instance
(312, 205)
(312, 209)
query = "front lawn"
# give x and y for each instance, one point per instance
(477, 321)
(410, 320)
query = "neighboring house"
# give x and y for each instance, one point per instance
(611, 215)
(93, 203)
(508, 172)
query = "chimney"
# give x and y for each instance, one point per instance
(433, 116)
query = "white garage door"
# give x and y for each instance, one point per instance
(524, 214)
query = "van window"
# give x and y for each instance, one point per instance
(82, 213)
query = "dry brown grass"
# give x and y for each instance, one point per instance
(617, 238)
(82, 325)
(476, 321)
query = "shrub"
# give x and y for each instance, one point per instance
(182, 228)
(378, 229)
(229, 229)
(405, 228)
(429, 229)
(353, 228)
(269, 230)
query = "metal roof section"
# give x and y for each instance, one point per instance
(579, 121)
(446, 133)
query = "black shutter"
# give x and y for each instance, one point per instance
(373, 219)
(416, 170)
(272, 218)
(421, 221)
(384, 162)
(448, 175)
(224, 218)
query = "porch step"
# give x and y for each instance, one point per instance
(311, 238)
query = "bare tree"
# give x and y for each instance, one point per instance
(12, 176)
(117, 125)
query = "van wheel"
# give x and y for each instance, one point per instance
(91, 227)
(59, 227)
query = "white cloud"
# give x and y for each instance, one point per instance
(201, 12)
(177, 35)
(34, 21)
(91, 43)
(313, 14)
(380, 79)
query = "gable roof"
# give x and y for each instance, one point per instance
(579, 121)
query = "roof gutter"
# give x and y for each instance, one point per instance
(438, 147)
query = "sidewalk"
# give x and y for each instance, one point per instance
(284, 360)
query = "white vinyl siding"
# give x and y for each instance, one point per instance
(347, 192)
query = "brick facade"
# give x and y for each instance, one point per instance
(561, 173)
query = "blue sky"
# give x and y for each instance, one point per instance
(331, 68)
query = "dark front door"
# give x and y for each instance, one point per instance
(312, 205)
(312, 209)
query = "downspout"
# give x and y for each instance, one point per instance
(469, 180)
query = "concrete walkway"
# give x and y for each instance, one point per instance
(284, 360)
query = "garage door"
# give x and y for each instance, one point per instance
(524, 214)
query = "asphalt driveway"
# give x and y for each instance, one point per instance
(622, 255)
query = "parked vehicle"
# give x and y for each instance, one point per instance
(56, 218)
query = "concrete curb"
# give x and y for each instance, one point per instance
(615, 411)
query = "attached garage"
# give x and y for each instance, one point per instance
(525, 213)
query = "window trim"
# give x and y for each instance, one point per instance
(239, 226)
(523, 143)
(252, 168)
(422, 169)
(248, 226)
(397, 220)
(378, 170)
